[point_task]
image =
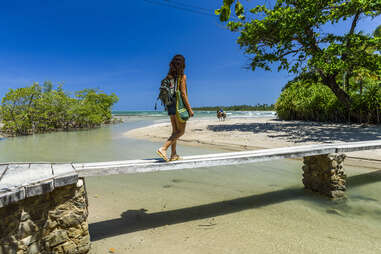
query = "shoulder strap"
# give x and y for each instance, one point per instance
(178, 85)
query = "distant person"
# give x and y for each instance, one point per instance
(221, 115)
(177, 79)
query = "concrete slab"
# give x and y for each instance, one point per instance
(39, 189)
(358, 146)
(64, 174)
(210, 160)
(16, 176)
(12, 196)
(2, 170)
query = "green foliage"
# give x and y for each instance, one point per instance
(377, 31)
(292, 28)
(90, 100)
(18, 108)
(313, 102)
(258, 107)
(47, 86)
(37, 109)
(316, 102)
(291, 34)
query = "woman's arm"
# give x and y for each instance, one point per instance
(183, 90)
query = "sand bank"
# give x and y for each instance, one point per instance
(261, 133)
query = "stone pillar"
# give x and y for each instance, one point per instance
(325, 174)
(54, 222)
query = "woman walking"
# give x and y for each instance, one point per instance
(178, 78)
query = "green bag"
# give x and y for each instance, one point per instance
(181, 111)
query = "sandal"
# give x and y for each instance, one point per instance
(163, 156)
(175, 158)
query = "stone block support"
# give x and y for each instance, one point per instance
(55, 222)
(325, 174)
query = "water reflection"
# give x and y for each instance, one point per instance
(102, 144)
(105, 143)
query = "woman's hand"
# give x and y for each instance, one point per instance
(191, 113)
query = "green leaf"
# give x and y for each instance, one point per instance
(238, 9)
(227, 3)
(377, 32)
(241, 17)
(225, 14)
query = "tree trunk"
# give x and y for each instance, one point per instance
(342, 96)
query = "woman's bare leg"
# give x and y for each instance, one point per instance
(166, 145)
(178, 130)
(173, 145)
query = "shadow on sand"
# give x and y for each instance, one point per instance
(306, 131)
(136, 220)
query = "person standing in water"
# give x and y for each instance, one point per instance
(176, 73)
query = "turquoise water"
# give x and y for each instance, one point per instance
(262, 203)
(102, 144)
(200, 114)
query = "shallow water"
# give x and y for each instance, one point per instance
(102, 144)
(200, 114)
(253, 208)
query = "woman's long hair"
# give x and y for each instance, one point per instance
(176, 67)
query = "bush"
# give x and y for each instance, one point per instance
(37, 109)
(316, 102)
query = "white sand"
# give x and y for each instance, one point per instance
(259, 133)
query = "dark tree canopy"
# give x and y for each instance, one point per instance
(291, 34)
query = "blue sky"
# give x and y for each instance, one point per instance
(125, 47)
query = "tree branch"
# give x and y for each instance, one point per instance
(348, 45)
(311, 36)
(289, 52)
(354, 22)
(351, 31)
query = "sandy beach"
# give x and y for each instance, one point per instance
(261, 133)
